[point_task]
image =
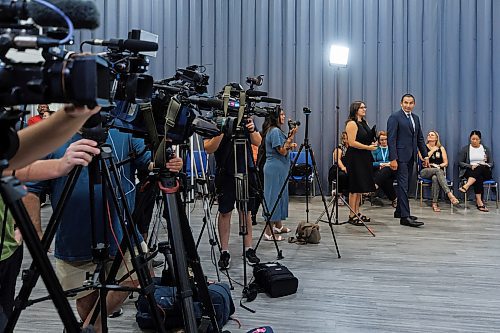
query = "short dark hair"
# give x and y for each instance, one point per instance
(407, 95)
(475, 132)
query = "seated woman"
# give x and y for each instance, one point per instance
(382, 173)
(475, 163)
(438, 161)
(339, 154)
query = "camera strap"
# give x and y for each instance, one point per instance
(225, 98)
(241, 110)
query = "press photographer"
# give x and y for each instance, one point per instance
(223, 147)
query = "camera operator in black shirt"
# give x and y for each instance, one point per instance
(223, 149)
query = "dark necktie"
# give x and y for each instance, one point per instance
(410, 120)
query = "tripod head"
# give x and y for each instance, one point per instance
(96, 128)
(163, 154)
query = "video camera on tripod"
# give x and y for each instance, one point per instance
(81, 79)
(239, 105)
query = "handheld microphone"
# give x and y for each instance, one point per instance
(133, 45)
(83, 14)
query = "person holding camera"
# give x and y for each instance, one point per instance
(277, 145)
(359, 160)
(223, 148)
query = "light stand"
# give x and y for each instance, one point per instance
(338, 58)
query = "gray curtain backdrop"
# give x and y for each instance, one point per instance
(445, 52)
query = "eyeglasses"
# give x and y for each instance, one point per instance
(363, 107)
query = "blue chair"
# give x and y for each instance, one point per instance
(489, 185)
(302, 179)
(200, 164)
(425, 182)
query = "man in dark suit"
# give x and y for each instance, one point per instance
(404, 137)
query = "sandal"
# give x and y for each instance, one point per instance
(270, 237)
(482, 208)
(394, 203)
(435, 207)
(454, 201)
(463, 189)
(282, 230)
(364, 218)
(354, 220)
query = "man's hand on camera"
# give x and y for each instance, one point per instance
(175, 164)
(78, 153)
(80, 111)
(250, 125)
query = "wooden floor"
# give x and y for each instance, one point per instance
(443, 277)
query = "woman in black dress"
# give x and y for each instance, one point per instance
(359, 159)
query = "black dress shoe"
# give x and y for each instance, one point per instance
(409, 222)
(398, 216)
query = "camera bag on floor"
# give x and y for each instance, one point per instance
(275, 279)
(165, 297)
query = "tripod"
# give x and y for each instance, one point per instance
(100, 282)
(240, 154)
(308, 153)
(12, 191)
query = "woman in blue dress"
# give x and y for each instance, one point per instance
(276, 168)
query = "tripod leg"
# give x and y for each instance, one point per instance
(315, 170)
(129, 235)
(12, 191)
(267, 216)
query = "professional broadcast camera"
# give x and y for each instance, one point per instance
(174, 109)
(63, 76)
(239, 105)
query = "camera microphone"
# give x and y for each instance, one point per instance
(204, 102)
(134, 45)
(270, 100)
(255, 93)
(83, 14)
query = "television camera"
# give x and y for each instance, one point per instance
(81, 79)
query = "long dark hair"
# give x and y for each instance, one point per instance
(270, 122)
(353, 109)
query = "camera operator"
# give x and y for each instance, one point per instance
(222, 147)
(73, 246)
(61, 127)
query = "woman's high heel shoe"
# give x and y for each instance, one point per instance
(454, 201)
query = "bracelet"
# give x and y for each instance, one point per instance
(252, 131)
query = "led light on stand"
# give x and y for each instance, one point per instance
(338, 55)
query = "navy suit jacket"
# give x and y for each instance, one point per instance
(402, 139)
